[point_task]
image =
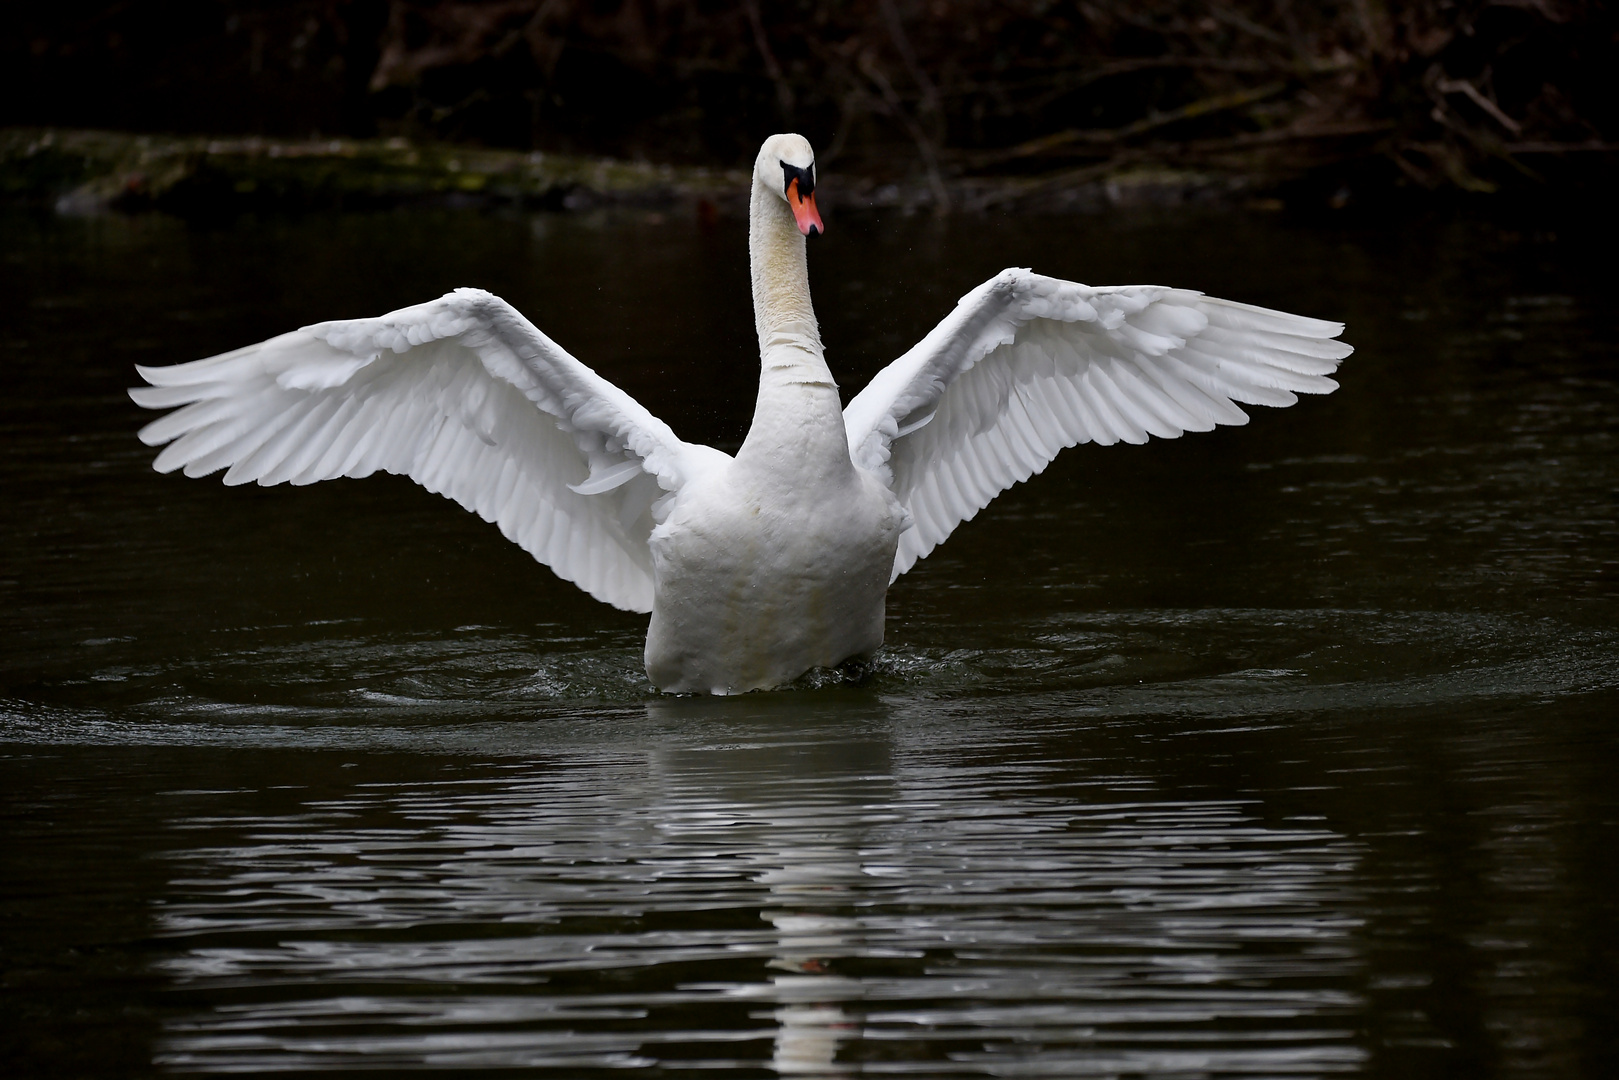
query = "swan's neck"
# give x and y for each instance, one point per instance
(782, 312)
(798, 415)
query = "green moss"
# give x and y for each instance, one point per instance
(88, 171)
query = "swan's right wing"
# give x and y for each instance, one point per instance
(464, 396)
(1027, 364)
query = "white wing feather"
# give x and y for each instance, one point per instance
(1027, 365)
(464, 396)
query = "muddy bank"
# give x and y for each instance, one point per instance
(85, 172)
(90, 172)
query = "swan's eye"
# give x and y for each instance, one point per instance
(804, 176)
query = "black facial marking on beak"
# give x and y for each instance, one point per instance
(805, 178)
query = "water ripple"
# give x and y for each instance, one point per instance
(1095, 932)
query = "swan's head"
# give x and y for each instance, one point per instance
(786, 166)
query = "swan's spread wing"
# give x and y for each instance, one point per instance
(1026, 365)
(464, 396)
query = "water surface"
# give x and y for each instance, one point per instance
(1284, 750)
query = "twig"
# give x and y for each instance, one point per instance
(1488, 143)
(784, 92)
(1232, 18)
(1151, 122)
(1287, 134)
(1462, 86)
(896, 32)
(1561, 148)
(1011, 192)
(924, 146)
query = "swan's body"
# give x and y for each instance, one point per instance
(760, 567)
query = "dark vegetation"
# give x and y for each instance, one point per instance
(1334, 99)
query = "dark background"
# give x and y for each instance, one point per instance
(1448, 95)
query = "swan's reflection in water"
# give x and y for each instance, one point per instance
(810, 1020)
(808, 853)
(809, 1015)
(742, 890)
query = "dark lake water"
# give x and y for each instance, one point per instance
(1286, 750)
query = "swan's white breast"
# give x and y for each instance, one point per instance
(757, 581)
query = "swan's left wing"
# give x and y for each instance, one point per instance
(1026, 365)
(464, 396)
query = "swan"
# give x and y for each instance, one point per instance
(759, 567)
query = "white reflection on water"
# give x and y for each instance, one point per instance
(862, 898)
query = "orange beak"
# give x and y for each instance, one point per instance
(804, 212)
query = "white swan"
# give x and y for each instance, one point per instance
(760, 567)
